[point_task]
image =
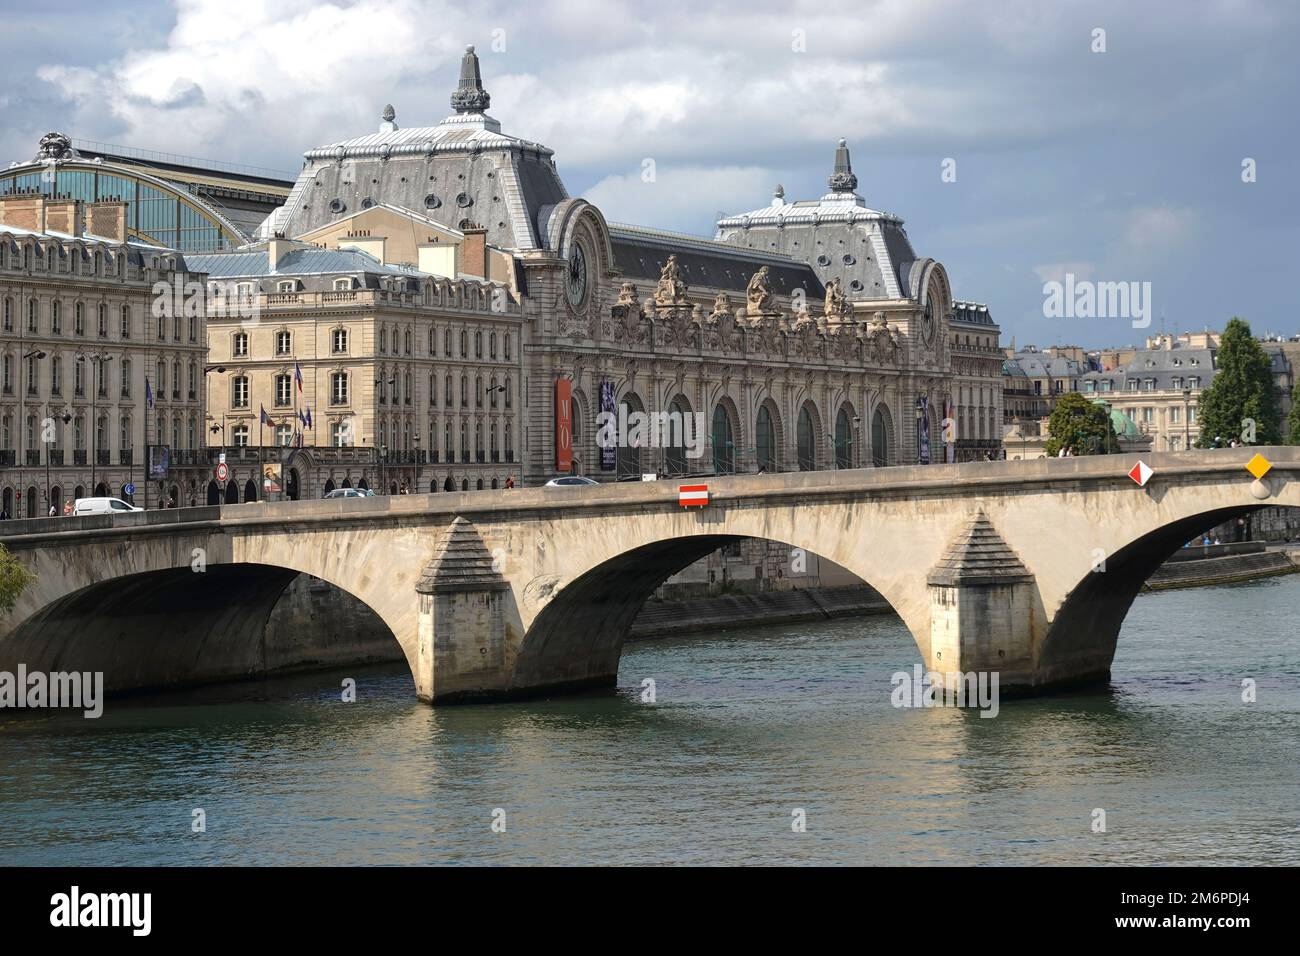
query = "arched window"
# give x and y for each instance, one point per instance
(724, 447)
(765, 440)
(879, 439)
(675, 451)
(843, 440)
(807, 437)
(629, 450)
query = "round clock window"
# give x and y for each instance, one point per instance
(575, 284)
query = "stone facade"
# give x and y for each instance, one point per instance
(80, 335)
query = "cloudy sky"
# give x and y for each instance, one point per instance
(1123, 165)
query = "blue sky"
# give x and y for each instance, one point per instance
(1123, 165)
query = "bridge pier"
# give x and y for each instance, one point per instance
(463, 628)
(982, 609)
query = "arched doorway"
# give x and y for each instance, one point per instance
(214, 493)
(449, 485)
(806, 438)
(329, 486)
(765, 439)
(79, 493)
(101, 490)
(291, 485)
(494, 484)
(56, 499)
(175, 496)
(464, 484)
(232, 492)
(347, 483)
(724, 442)
(879, 439)
(392, 488)
(8, 502)
(31, 501)
(843, 439)
(479, 485)
(363, 485)
(250, 490)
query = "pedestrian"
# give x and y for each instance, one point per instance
(4, 514)
(510, 482)
(54, 510)
(67, 508)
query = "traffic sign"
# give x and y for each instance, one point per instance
(223, 471)
(1141, 473)
(128, 488)
(693, 496)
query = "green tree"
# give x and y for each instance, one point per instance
(14, 578)
(1241, 390)
(1081, 426)
(1294, 420)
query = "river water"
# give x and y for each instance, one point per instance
(747, 727)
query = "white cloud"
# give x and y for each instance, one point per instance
(681, 194)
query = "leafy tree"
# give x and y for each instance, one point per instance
(1294, 420)
(1081, 426)
(14, 579)
(1241, 389)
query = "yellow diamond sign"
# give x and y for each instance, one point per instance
(1259, 466)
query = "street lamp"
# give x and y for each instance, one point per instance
(1187, 425)
(383, 458)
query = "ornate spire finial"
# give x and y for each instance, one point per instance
(390, 114)
(470, 97)
(842, 179)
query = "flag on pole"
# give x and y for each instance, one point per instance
(265, 419)
(309, 424)
(297, 375)
(302, 419)
(148, 393)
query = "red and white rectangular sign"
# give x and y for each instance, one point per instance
(692, 496)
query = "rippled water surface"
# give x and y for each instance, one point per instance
(748, 726)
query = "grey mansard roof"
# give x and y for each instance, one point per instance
(462, 170)
(838, 235)
(1163, 365)
(639, 254)
(254, 263)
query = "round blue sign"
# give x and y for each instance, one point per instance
(128, 489)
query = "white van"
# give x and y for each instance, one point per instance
(101, 506)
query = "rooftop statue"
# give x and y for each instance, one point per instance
(759, 293)
(671, 290)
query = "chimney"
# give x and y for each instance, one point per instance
(473, 260)
(107, 219)
(276, 249)
(66, 216)
(23, 211)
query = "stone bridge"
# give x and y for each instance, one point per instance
(1026, 568)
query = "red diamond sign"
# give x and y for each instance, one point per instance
(1141, 473)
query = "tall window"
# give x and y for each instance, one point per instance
(238, 391)
(283, 390)
(283, 435)
(56, 318)
(765, 439)
(339, 388)
(239, 347)
(283, 342)
(339, 341)
(126, 321)
(339, 434)
(843, 440)
(78, 319)
(724, 449)
(506, 349)
(807, 436)
(126, 378)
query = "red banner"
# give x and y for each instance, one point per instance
(563, 425)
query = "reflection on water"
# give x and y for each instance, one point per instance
(747, 727)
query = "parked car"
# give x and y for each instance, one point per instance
(101, 506)
(566, 481)
(350, 493)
